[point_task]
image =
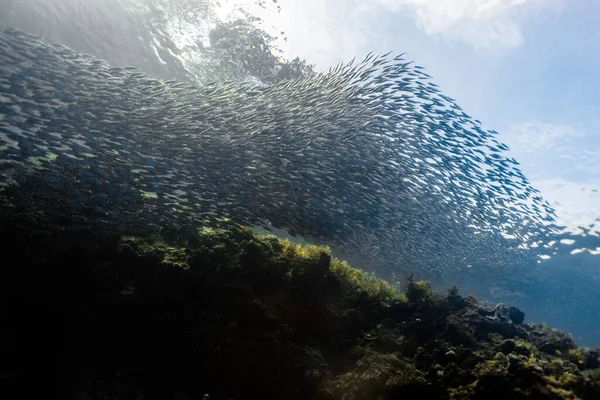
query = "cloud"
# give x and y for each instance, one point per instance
(577, 203)
(555, 150)
(340, 27)
(530, 137)
(484, 24)
(562, 162)
(322, 32)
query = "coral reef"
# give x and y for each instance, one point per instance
(226, 313)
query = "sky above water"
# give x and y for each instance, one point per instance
(529, 69)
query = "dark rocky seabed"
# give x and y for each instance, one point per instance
(229, 314)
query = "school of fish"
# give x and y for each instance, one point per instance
(370, 157)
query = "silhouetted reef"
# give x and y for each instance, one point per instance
(226, 313)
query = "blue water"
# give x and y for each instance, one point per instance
(561, 291)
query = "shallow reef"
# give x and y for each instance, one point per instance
(226, 313)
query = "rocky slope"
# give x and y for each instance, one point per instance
(229, 314)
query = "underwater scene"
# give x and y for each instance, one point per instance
(300, 199)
